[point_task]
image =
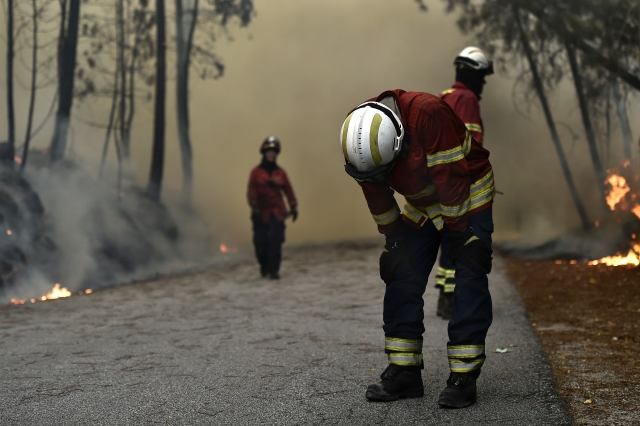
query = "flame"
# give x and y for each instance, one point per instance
(56, 292)
(619, 189)
(632, 258)
(636, 210)
(226, 249)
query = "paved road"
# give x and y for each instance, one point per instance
(224, 347)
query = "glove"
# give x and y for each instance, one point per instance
(256, 216)
(294, 213)
(396, 250)
(466, 247)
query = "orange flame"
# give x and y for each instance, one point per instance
(636, 210)
(632, 258)
(226, 249)
(56, 292)
(619, 189)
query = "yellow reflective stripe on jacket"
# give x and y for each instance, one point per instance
(456, 211)
(443, 157)
(430, 189)
(395, 344)
(466, 146)
(447, 92)
(388, 217)
(405, 359)
(414, 213)
(474, 127)
(465, 351)
(482, 191)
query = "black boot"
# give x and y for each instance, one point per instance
(446, 301)
(396, 383)
(460, 391)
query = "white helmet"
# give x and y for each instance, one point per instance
(474, 58)
(371, 138)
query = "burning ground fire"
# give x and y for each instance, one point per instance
(621, 198)
(56, 292)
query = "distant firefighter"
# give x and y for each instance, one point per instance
(414, 144)
(267, 182)
(472, 66)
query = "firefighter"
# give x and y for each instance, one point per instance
(414, 144)
(267, 182)
(472, 66)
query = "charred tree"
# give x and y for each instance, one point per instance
(154, 187)
(34, 73)
(67, 49)
(539, 88)
(621, 111)
(586, 121)
(185, 26)
(8, 154)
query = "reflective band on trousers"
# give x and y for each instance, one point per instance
(395, 344)
(447, 273)
(446, 278)
(388, 217)
(465, 358)
(465, 351)
(405, 359)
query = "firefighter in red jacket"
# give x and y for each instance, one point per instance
(472, 66)
(414, 144)
(267, 182)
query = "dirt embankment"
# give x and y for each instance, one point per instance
(588, 318)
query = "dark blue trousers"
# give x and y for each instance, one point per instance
(472, 310)
(267, 240)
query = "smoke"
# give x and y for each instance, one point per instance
(96, 237)
(295, 72)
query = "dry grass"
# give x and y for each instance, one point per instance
(588, 318)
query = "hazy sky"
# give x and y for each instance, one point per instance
(296, 72)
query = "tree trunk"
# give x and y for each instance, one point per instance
(586, 121)
(184, 36)
(122, 70)
(34, 73)
(11, 122)
(621, 110)
(67, 48)
(112, 114)
(537, 82)
(157, 156)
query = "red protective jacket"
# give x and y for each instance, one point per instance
(265, 192)
(443, 173)
(465, 103)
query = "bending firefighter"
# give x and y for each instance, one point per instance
(471, 67)
(267, 182)
(414, 144)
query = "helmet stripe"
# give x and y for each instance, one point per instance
(373, 138)
(345, 130)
